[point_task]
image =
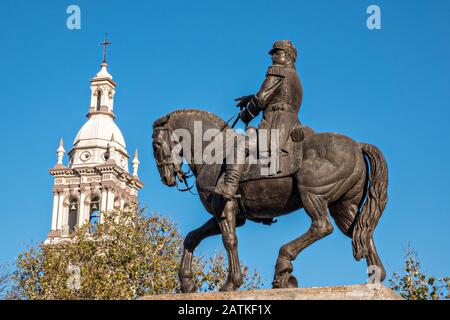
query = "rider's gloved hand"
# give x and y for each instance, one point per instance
(244, 100)
(249, 112)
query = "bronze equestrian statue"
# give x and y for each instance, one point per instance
(327, 172)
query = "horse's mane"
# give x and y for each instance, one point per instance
(184, 112)
(210, 116)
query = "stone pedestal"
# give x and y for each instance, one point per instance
(351, 292)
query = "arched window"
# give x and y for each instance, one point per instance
(73, 214)
(94, 213)
(99, 99)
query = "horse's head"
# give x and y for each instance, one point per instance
(169, 145)
(162, 149)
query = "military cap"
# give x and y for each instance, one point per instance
(283, 45)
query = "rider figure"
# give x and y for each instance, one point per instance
(279, 97)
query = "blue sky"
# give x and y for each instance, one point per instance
(388, 87)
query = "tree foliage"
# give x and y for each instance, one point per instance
(414, 284)
(5, 282)
(128, 255)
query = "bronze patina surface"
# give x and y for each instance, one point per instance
(327, 174)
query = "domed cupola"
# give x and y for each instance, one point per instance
(97, 178)
(100, 131)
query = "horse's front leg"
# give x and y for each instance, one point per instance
(192, 240)
(227, 225)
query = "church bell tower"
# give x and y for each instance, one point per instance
(96, 178)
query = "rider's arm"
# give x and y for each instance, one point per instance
(252, 105)
(268, 88)
(274, 78)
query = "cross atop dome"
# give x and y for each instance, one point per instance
(103, 73)
(102, 88)
(105, 44)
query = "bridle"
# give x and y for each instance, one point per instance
(179, 172)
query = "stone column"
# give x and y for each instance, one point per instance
(55, 210)
(59, 223)
(82, 209)
(104, 201)
(65, 215)
(110, 201)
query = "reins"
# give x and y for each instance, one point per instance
(180, 174)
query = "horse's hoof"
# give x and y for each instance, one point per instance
(292, 282)
(285, 280)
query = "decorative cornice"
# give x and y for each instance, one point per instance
(86, 171)
(108, 113)
(111, 81)
(123, 182)
(56, 172)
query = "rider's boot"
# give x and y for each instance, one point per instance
(231, 182)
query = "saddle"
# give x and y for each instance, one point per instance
(289, 162)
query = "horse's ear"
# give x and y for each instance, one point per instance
(161, 121)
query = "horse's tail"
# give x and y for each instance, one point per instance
(371, 211)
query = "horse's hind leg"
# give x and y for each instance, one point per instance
(344, 213)
(192, 240)
(320, 227)
(375, 267)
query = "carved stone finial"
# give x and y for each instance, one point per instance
(135, 163)
(110, 153)
(60, 153)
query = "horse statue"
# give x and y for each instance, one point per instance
(338, 175)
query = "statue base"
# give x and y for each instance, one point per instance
(351, 292)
